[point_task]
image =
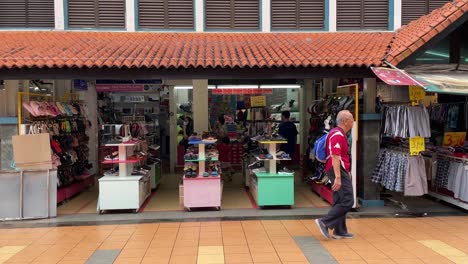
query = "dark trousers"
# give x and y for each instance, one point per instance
(343, 201)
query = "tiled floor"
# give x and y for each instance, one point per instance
(378, 240)
(166, 198)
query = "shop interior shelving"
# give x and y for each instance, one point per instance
(125, 191)
(200, 191)
(271, 188)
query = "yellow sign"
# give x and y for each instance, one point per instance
(258, 101)
(416, 93)
(416, 145)
(454, 139)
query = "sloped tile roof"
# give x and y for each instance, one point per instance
(190, 50)
(417, 33)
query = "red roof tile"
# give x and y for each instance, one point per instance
(419, 32)
(190, 50)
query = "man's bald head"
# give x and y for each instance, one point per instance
(342, 117)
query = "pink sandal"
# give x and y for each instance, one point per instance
(29, 108)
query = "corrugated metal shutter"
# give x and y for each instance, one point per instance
(348, 14)
(41, 13)
(82, 13)
(246, 14)
(412, 10)
(96, 13)
(27, 13)
(284, 14)
(375, 14)
(218, 14)
(312, 14)
(152, 14)
(180, 14)
(232, 14)
(434, 4)
(297, 14)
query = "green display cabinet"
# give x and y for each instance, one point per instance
(270, 188)
(273, 189)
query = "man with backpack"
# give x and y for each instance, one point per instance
(338, 167)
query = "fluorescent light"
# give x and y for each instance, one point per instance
(280, 86)
(182, 87)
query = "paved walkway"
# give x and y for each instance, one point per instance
(378, 240)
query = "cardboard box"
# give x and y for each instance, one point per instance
(32, 151)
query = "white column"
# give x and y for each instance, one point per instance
(266, 15)
(59, 9)
(199, 16)
(397, 7)
(130, 14)
(332, 15)
(200, 105)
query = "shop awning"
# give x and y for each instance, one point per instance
(449, 83)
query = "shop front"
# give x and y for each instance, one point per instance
(199, 125)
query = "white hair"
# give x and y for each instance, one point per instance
(342, 116)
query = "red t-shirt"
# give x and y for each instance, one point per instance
(337, 144)
(224, 152)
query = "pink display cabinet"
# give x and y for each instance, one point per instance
(202, 192)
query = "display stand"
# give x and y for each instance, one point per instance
(271, 188)
(123, 192)
(202, 191)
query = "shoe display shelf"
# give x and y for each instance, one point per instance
(125, 191)
(202, 191)
(271, 188)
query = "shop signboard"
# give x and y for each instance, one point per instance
(395, 76)
(236, 91)
(416, 93)
(416, 145)
(258, 101)
(454, 139)
(120, 87)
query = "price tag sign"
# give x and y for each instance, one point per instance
(454, 139)
(416, 93)
(416, 145)
(258, 101)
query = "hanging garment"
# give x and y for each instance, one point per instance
(406, 121)
(416, 179)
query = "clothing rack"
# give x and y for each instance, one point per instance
(452, 157)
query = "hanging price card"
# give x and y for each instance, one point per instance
(454, 139)
(416, 145)
(416, 93)
(258, 101)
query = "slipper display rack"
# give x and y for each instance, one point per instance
(271, 188)
(125, 191)
(202, 191)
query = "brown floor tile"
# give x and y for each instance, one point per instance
(156, 260)
(120, 260)
(265, 257)
(238, 258)
(352, 262)
(183, 259)
(408, 261)
(346, 255)
(243, 249)
(291, 257)
(160, 251)
(184, 251)
(132, 253)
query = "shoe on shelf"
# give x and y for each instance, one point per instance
(206, 174)
(269, 156)
(285, 170)
(323, 229)
(346, 236)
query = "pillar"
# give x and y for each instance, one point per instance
(200, 105)
(266, 15)
(12, 87)
(59, 11)
(395, 14)
(368, 147)
(130, 15)
(307, 95)
(331, 15)
(199, 16)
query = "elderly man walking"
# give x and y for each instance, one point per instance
(338, 167)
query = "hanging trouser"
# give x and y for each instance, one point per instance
(343, 201)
